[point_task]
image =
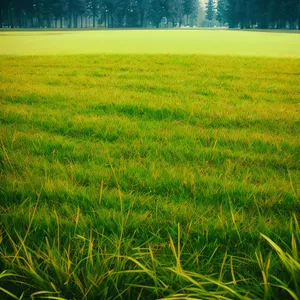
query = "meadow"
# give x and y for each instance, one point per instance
(181, 41)
(141, 176)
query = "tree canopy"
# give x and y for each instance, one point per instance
(91, 13)
(264, 14)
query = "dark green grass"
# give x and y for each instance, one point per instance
(122, 173)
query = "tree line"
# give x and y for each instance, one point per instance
(92, 13)
(279, 14)
(263, 14)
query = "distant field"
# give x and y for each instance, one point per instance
(217, 42)
(148, 176)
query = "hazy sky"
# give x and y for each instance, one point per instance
(203, 3)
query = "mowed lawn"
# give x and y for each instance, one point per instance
(182, 41)
(149, 176)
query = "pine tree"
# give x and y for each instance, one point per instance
(4, 5)
(59, 10)
(175, 12)
(222, 11)
(156, 12)
(95, 8)
(189, 7)
(210, 10)
(143, 7)
(47, 13)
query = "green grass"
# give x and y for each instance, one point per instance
(217, 42)
(149, 176)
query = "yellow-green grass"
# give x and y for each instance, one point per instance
(149, 176)
(217, 42)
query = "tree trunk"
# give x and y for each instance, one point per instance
(25, 21)
(242, 24)
(1, 18)
(298, 19)
(94, 20)
(299, 15)
(263, 22)
(142, 19)
(71, 23)
(20, 20)
(40, 20)
(12, 25)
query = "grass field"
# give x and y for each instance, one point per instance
(217, 42)
(149, 177)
